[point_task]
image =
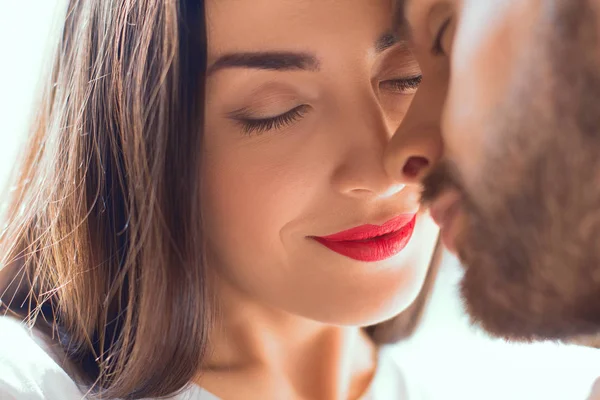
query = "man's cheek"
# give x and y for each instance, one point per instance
(462, 130)
(481, 81)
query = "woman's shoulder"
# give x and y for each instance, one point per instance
(28, 369)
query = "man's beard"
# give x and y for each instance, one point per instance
(532, 258)
(531, 240)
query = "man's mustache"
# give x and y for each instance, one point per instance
(441, 178)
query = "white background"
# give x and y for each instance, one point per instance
(451, 359)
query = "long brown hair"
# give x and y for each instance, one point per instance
(103, 244)
(103, 240)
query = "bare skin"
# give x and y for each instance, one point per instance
(512, 86)
(290, 309)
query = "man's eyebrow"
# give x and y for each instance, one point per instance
(270, 60)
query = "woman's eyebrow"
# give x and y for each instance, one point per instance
(385, 41)
(271, 60)
(285, 60)
(390, 39)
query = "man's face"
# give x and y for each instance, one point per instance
(514, 87)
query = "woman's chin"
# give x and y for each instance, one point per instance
(366, 310)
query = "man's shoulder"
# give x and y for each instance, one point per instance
(27, 368)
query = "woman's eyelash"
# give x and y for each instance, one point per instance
(261, 125)
(404, 85)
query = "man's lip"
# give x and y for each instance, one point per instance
(443, 208)
(366, 232)
(443, 211)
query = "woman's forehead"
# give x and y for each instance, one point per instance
(237, 25)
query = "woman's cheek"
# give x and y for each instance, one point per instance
(249, 201)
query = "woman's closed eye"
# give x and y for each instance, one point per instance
(259, 125)
(252, 124)
(408, 85)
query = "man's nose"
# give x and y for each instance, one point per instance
(417, 144)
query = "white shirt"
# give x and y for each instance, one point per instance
(30, 370)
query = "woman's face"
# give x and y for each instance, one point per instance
(302, 98)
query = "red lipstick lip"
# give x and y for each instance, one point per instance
(371, 243)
